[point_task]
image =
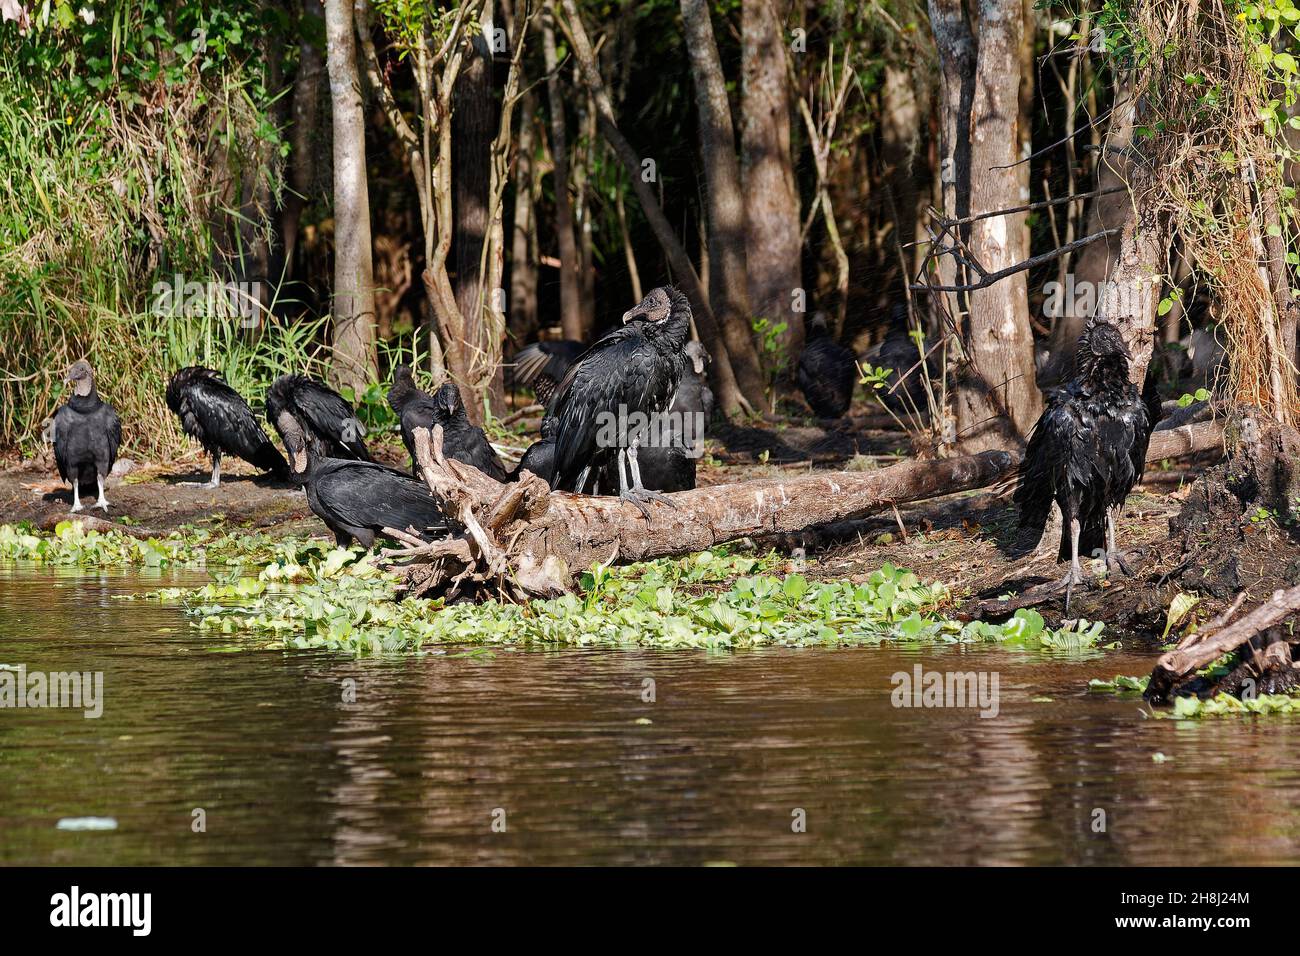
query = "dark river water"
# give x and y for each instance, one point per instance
(554, 757)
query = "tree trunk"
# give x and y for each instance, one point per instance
(570, 302)
(472, 129)
(728, 288)
(1092, 268)
(302, 138)
(772, 243)
(998, 401)
(956, 47)
(354, 363)
(523, 260)
(731, 400)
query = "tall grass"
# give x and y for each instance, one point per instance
(94, 207)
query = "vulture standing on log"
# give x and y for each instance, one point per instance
(827, 372)
(86, 433)
(215, 414)
(1088, 450)
(628, 375)
(332, 427)
(461, 439)
(540, 456)
(542, 365)
(357, 500)
(670, 465)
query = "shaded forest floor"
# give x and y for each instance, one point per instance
(968, 541)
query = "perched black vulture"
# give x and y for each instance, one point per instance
(357, 500)
(461, 440)
(215, 414)
(669, 465)
(629, 374)
(86, 434)
(904, 389)
(1088, 450)
(542, 365)
(540, 456)
(332, 427)
(827, 372)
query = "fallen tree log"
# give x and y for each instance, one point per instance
(1176, 440)
(523, 540)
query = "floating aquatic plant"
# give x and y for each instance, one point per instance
(712, 600)
(72, 545)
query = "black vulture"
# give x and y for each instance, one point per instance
(86, 433)
(904, 387)
(332, 427)
(461, 439)
(669, 465)
(1088, 450)
(540, 456)
(827, 372)
(542, 366)
(215, 414)
(614, 388)
(357, 500)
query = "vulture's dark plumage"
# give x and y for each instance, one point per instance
(357, 500)
(904, 388)
(218, 417)
(87, 433)
(542, 366)
(332, 427)
(461, 439)
(1088, 450)
(670, 465)
(827, 372)
(632, 371)
(540, 456)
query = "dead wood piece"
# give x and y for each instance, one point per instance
(1201, 649)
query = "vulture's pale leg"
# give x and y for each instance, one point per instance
(1075, 574)
(215, 480)
(1114, 558)
(626, 493)
(102, 502)
(76, 493)
(639, 489)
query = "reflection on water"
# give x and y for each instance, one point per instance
(418, 769)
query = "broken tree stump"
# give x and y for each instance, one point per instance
(1219, 637)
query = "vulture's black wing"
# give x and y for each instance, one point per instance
(214, 413)
(1046, 467)
(367, 495)
(618, 371)
(327, 413)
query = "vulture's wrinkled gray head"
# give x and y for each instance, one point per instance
(699, 356)
(1102, 338)
(295, 441)
(446, 402)
(81, 377)
(657, 306)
